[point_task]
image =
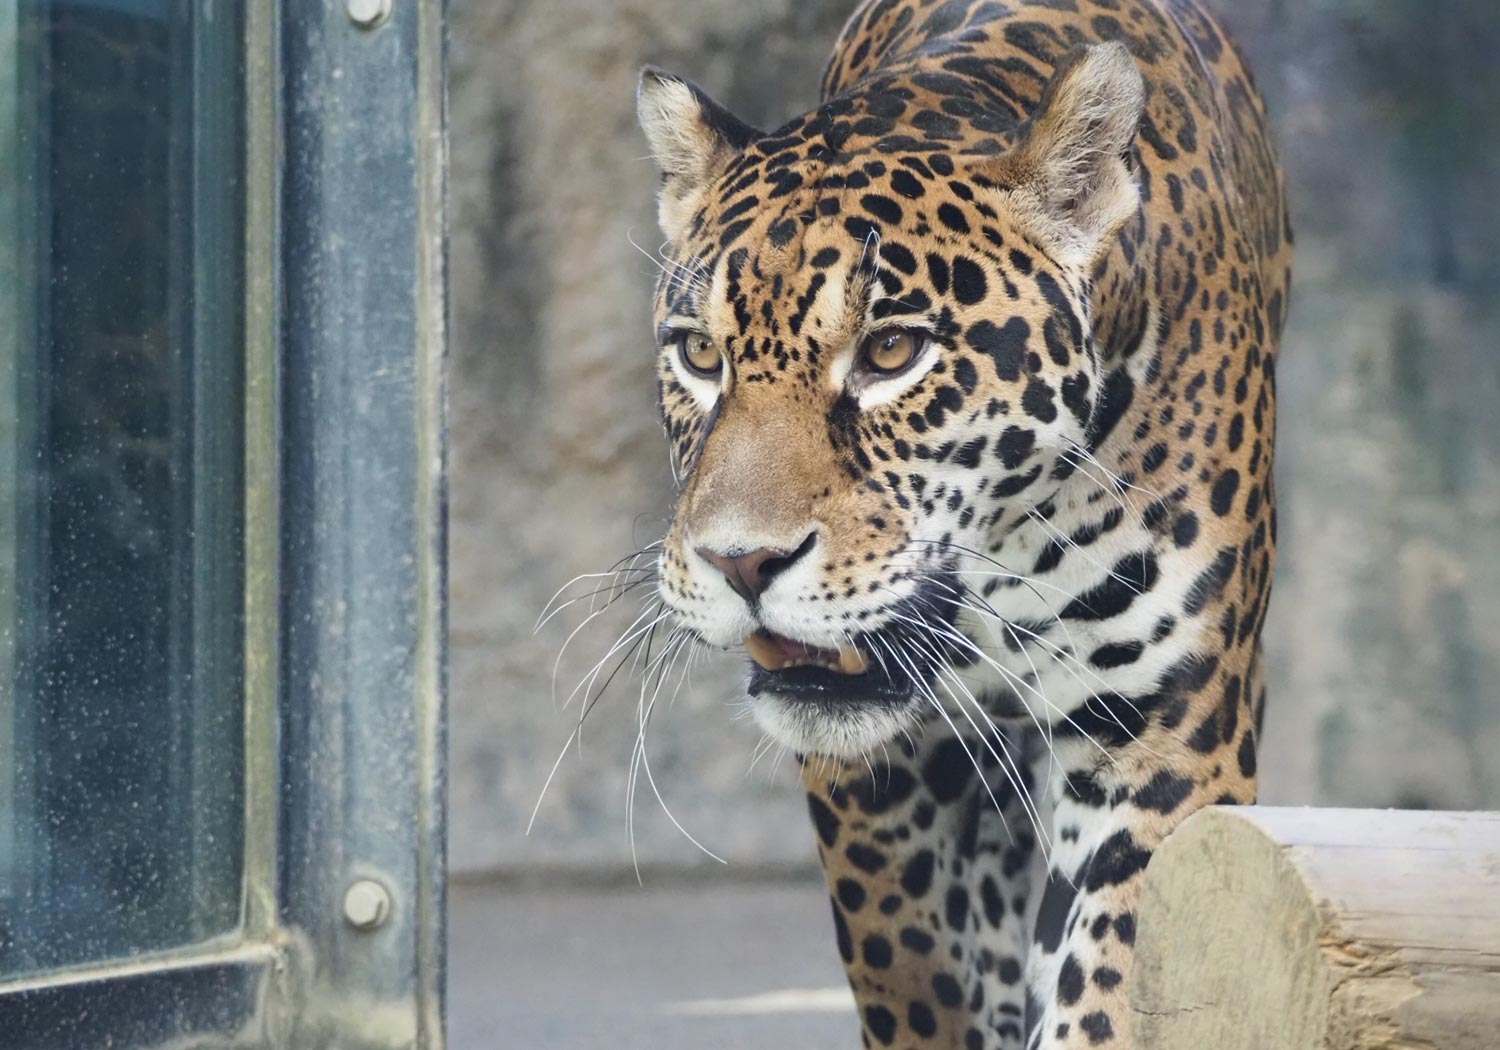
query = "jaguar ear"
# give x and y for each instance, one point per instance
(692, 137)
(1071, 173)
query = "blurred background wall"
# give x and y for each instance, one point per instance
(1384, 637)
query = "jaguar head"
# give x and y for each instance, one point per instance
(875, 358)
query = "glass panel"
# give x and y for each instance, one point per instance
(121, 722)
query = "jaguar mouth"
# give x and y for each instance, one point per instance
(885, 666)
(798, 671)
(772, 652)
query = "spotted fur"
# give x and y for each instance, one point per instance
(1058, 531)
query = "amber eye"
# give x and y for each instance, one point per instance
(891, 351)
(698, 353)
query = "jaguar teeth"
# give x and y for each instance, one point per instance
(777, 654)
(763, 651)
(852, 661)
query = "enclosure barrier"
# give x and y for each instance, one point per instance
(1322, 929)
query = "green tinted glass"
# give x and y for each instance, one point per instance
(121, 728)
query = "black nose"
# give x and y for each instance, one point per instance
(752, 572)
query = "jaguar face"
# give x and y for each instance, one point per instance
(872, 363)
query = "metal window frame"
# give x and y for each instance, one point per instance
(345, 589)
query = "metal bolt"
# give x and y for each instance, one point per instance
(367, 14)
(366, 905)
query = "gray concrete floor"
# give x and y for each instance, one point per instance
(710, 966)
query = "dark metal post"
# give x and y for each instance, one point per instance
(361, 829)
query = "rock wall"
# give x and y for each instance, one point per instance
(1385, 634)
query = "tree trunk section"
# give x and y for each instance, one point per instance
(1322, 929)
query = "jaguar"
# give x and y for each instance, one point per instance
(968, 377)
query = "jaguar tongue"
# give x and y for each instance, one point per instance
(774, 652)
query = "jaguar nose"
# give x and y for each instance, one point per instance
(750, 573)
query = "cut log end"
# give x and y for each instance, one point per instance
(1280, 929)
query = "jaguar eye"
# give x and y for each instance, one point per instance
(698, 353)
(891, 351)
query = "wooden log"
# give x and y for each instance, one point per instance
(1321, 929)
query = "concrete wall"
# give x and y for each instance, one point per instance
(1385, 633)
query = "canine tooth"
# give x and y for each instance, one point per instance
(765, 652)
(852, 661)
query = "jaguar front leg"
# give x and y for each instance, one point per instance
(929, 858)
(1109, 821)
